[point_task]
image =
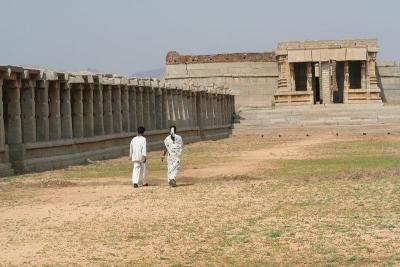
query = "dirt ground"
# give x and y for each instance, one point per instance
(277, 197)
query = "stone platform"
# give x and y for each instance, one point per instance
(335, 114)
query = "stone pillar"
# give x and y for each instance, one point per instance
(181, 117)
(218, 108)
(193, 107)
(164, 110)
(199, 109)
(326, 82)
(88, 119)
(28, 111)
(125, 108)
(107, 110)
(215, 108)
(77, 110)
(54, 111)
(146, 108)
(66, 117)
(2, 133)
(363, 75)
(116, 108)
(98, 109)
(346, 82)
(159, 109)
(140, 106)
(223, 109)
(292, 77)
(42, 111)
(171, 107)
(132, 109)
(209, 109)
(152, 108)
(14, 133)
(188, 108)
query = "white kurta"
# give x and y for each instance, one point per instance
(174, 149)
(137, 153)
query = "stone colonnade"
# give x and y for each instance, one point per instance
(52, 119)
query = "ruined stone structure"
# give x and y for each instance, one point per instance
(327, 72)
(54, 119)
(252, 76)
(307, 72)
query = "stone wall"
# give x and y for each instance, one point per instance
(388, 73)
(54, 119)
(254, 82)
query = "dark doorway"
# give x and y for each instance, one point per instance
(355, 74)
(317, 95)
(300, 76)
(338, 95)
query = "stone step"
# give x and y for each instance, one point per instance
(323, 115)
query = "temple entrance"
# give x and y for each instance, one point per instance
(338, 94)
(316, 83)
(316, 89)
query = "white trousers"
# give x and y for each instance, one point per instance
(139, 169)
(173, 167)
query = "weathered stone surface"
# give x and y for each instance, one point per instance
(51, 119)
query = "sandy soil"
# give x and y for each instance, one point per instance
(106, 222)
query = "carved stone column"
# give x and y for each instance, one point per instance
(140, 106)
(27, 110)
(107, 109)
(363, 75)
(98, 109)
(193, 109)
(132, 109)
(346, 82)
(116, 108)
(199, 109)
(171, 107)
(159, 108)
(66, 114)
(125, 108)
(292, 77)
(54, 111)
(152, 108)
(165, 109)
(42, 110)
(146, 108)
(88, 119)
(14, 133)
(215, 108)
(2, 133)
(77, 110)
(181, 119)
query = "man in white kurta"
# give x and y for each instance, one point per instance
(138, 155)
(173, 146)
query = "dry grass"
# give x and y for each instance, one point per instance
(326, 201)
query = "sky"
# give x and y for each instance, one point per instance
(127, 36)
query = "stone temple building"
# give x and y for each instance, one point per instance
(314, 72)
(296, 73)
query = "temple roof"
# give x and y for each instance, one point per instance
(370, 44)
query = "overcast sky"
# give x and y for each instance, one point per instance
(126, 36)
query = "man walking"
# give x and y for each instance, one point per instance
(138, 155)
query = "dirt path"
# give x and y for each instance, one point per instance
(249, 161)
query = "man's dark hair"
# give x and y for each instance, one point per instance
(141, 130)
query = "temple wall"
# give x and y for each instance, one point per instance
(389, 78)
(51, 119)
(254, 81)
